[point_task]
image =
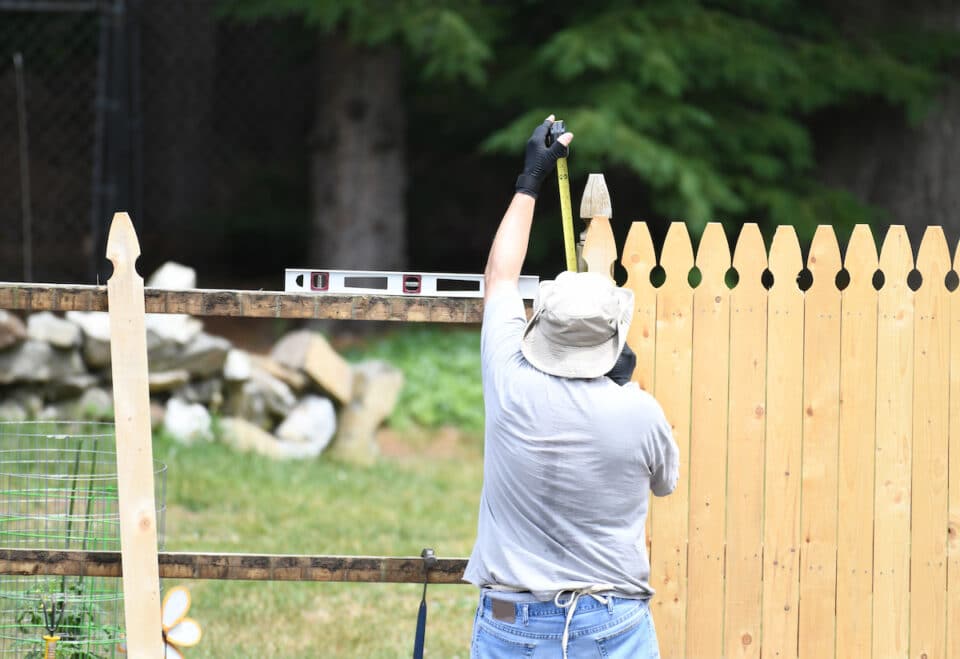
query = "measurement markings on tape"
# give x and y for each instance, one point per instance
(372, 282)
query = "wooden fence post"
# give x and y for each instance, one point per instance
(131, 400)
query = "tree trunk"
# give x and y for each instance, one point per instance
(357, 160)
(907, 171)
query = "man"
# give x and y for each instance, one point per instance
(570, 457)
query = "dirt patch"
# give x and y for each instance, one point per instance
(444, 443)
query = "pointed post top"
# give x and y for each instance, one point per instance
(596, 198)
(123, 247)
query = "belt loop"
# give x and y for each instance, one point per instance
(610, 604)
(525, 614)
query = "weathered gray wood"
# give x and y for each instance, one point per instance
(250, 567)
(248, 304)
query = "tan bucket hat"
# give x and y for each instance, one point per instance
(579, 326)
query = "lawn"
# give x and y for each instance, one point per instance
(423, 492)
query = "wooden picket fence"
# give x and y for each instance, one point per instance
(819, 507)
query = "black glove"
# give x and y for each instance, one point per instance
(622, 371)
(539, 161)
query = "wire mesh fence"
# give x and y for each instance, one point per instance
(58, 491)
(194, 122)
(48, 75)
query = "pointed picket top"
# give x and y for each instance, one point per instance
(896, 258)
(933, 259)
(823, 261)
(713, 256)
(123, 248)
(861, 260)
(785, 259)
(596, 198)
(599, 247)
(639, 256)
(750, 258)
(677, 256)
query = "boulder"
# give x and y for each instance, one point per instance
(202, 357)
(56, 331)
(187, 422)
(310, 352)
(178, 328)
(312, 421)
(279, 398)
(38, 361)
(295, 379)
(245, 400)
(245, 436)
(377, 387)
(163, 381)
(96, 336)
(238, 366)
(96, 404)
(206, 392)
(12, 410)
(12, 330)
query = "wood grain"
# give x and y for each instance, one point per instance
(249, 304)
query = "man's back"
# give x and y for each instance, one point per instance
(568, 467)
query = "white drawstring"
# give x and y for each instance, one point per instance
(571, 606)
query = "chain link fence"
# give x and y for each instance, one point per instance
(196, 124)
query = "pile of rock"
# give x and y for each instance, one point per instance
(294, 402)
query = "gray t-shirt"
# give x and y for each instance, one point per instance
(568, 465)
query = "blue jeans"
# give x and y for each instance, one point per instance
(620, 629)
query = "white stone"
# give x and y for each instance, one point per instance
(173, 276)
(56, 331)
(12, 330)
(96, 404)
(11, 410)
(161, 381)
(187, 422)
(312, 421)
(237, 366)
(246, 436)
(202, 357)
(38, 361)
(179, 328)
(96, 336)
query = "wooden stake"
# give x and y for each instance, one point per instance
(599, 248)
(131, 401)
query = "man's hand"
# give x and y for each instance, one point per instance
(541, 159)
(510, 244)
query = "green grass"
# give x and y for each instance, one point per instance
(222, 501)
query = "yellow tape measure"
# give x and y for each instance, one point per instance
(566, 213)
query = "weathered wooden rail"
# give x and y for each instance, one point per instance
(248, 304)
(244, 567)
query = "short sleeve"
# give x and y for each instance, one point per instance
(665, 459)
(504, 319)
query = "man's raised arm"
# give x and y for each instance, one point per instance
(510, 244)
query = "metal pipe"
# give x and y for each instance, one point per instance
(26, 205)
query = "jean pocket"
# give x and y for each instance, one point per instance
(634, 638)
(491, 643)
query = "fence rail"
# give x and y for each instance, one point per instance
(248, 567)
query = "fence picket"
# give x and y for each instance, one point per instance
(953, 470)
(747, 419)
(708, 445)
(928, 521)
(638, 260)
(668, 569)
(855, 468)
(891, 559)
(821, 427)
(781, 534)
